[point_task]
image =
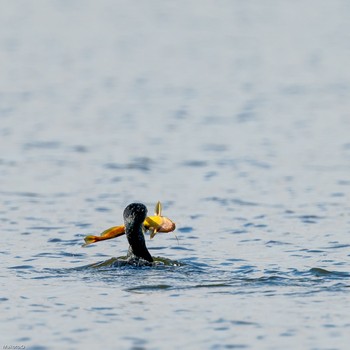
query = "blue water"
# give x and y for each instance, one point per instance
(234, 114)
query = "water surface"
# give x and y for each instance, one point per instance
(234, 114)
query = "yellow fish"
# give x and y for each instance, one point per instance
(158, 223)
(154, 224)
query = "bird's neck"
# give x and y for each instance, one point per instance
(137, 244)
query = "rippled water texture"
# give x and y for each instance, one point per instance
(234, 114)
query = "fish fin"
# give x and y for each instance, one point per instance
(154, 231)
(158, 209)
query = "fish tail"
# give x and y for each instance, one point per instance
(90, 239)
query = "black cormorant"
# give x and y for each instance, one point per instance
(134, 216)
